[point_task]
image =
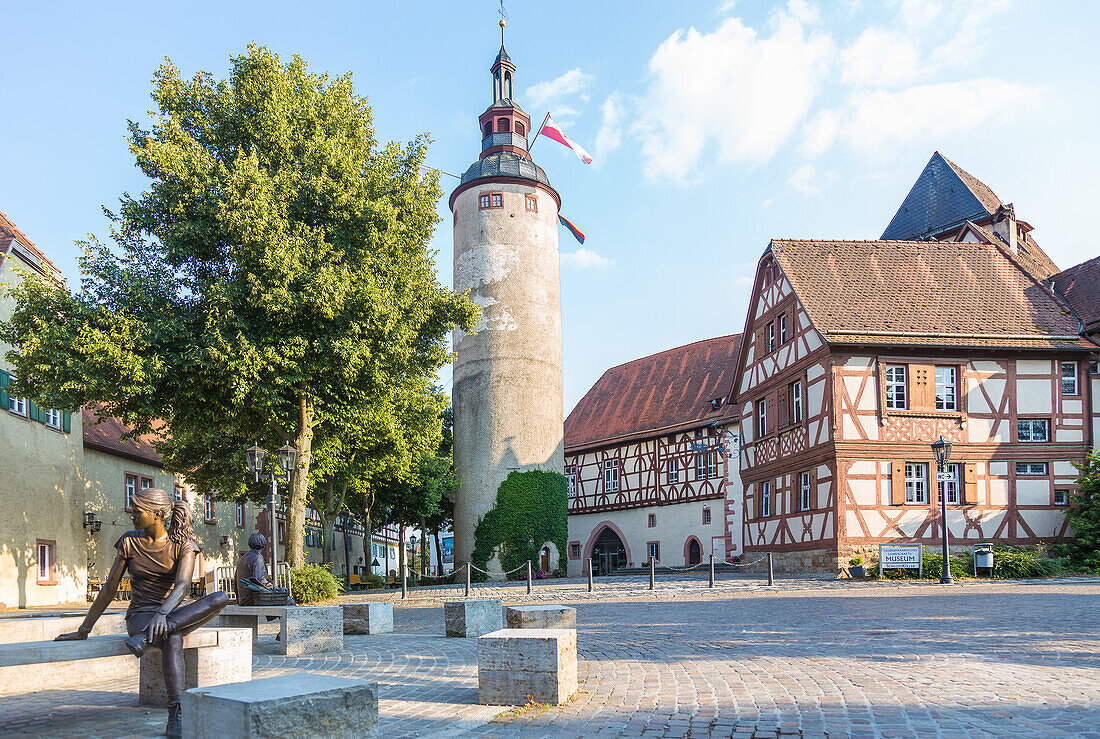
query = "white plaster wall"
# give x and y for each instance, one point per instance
(1033, 396)
(1032, 492)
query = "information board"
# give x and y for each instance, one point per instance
(901, 557)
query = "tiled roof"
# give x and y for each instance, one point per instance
(104, 433)
(663, 392)
(1028, 253)
(1080, 286)
(9, 231)
(924, 293)
(943, 195)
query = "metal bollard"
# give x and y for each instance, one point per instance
(404, 583)
(528, 577)
(467, 579)
(771, 572)
(712, 570)
(652, 566)
(590, 575)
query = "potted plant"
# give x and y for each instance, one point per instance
(855, 567)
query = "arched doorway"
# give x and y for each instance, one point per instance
(608, 554)
(695, 552)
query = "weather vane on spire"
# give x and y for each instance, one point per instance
(503, 18)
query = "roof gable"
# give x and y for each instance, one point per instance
(943, 195)
(105, 433)
(1080, 286)
(662, 392)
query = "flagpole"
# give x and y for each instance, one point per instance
(536, 136)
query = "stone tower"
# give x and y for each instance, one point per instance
(507, 391)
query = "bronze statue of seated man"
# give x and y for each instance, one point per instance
(159, 555)
(251, 567)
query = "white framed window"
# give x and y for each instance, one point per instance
(1069, 378)
(795, 395)
(146, 483)
(803, 491)
(1033, 429)
(765, 499)
(1094, 367)
(532, 203)
(946, 387)
(651, 520)
(208, 508)
(611, 475)
(53, 418)
(1061, 497)
(133, 483)
(706, 515)
(761, 419)
(895, 387)
(771, 337)
(45, 571)
(916, 482)
(1031, 468)
(177, 493)
(240, 515)
(497, 200)
(18, 406)
(784, 330)
(654, 551)
(672, 471)
(950, 489)
(571, 480)
(706, 465)
(483, 201)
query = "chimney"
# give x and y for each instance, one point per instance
(1004, 225)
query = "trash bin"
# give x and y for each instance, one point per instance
(983, 557)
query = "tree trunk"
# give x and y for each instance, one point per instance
(438, 553)
(400, 550)
(296, 510)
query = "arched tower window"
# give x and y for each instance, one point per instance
(488, 129)
(519, 128)
(502, 125)
(508, 84)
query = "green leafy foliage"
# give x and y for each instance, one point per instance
(1009, 563)
(530, 510)
(314, 584)
(1083, 514)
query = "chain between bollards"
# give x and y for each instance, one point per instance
(528, 577)
(771, 572)
(712, 570)
(590, 575)
(652, 566)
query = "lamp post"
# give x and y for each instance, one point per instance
(287, 461)
(942, 450)
(412, 545)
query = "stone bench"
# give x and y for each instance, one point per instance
(295, 705)
(210, 657)
(467, 618)
(368, 618)
(302, 629)
(541, 617)
(43, 627)
(518, 666)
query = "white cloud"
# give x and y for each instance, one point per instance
(767, 202)
(807, 179)
(610, 136)
(803, 12)
(733, 88)
(880, 57)
(585, 258)
(820, 132)
(570, 83)
(743, 280)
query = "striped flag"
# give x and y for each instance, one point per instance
(572, 229)
(553, 130)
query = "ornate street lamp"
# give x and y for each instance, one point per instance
(942, 451)
(287, 459)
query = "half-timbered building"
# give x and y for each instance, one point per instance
(650, 456)
(860, 354)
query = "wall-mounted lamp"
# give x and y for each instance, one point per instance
(90, 521)
(225, 540)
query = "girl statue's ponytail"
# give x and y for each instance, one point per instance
(180, 530)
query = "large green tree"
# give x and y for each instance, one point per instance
(273, 283)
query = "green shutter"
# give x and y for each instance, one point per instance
(33, 411)
(67, 422)
(5, 401)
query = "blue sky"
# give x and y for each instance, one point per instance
(715, 125)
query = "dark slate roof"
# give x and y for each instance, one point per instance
(661, 393)
(502, 55)
(505, 164)
(1080, 286)
(943, 195)
(104, 433)
(924, 293)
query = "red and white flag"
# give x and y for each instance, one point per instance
(553, 130)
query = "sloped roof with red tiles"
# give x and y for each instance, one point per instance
(9, 232)
(932, 293)
(104, 433)
(1080, 286)
(661, 393)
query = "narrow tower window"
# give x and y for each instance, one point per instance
(520, 129)
(502, 125)
(488, 129)
(532, 203)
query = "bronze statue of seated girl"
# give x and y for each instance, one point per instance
(159, 555)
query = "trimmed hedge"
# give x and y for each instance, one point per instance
(314, 584)
(1009, 563)
(530, 510)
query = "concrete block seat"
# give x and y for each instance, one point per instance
(541, 617)
(302, 629)
(45, 626)
(466, 618)
(368, 618)
(299, 704)
(210, 657)
(517, 666)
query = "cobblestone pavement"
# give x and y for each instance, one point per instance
(840, 659)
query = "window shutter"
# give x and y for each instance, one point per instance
(761, 342)
(970, 483)
(783, 405)
(897, 483)
(5, 402)
(33, 411)
(922, 387)
(67, 422)
(815, 497)
(770, 410)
